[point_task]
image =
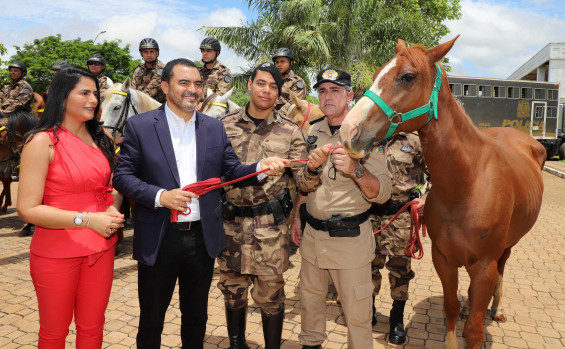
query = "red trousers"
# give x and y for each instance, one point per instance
(70, 285)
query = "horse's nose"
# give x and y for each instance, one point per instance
(348, 131)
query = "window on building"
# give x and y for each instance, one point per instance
(552, 95)
(455, 89)
(527, 93)
(539, 94)
(470, 90)
(485, 91)
(513, 92)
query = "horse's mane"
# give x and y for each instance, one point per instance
(208, 100)
(145, 101)
(26, 120)
(416, 55)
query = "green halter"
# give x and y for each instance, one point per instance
(431, 107)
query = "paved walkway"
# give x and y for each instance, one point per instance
(534, 296)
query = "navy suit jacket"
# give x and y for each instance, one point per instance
(147, 164)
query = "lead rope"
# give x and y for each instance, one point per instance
(415, 244)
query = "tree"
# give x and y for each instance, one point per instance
(40, 55)
(354, 35)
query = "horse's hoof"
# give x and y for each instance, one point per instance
(499, 318)
(464, 314)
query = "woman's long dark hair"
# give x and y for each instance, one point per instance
(62, 84)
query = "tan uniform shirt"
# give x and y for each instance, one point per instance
(344, 197)
(16, 97)
(293, 83)
(218, 79)
(256, 245)
(148, 80)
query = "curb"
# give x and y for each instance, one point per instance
(554, 171)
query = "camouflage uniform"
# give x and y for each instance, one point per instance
(218, 79)
(257, 248)
(148, 80)
(16, 96)
(405, 161)
(294, 83)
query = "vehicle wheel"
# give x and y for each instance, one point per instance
(561, 151)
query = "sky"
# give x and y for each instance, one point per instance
(497, 37)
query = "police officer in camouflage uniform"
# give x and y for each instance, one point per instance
(17, 95)
(97, 64)
(283, 59)
(255, 218)
(405, 161)
(336, 237)
(147, 76)
(216, 76)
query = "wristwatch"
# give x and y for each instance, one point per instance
(315, 172)
(360, 171)
(78, 218)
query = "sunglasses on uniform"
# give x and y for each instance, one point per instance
(94, 63)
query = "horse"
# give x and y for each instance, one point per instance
(121, 102)
(487, 185)
(303, 112)
(38, 104)
(13, 127)
(216, 105)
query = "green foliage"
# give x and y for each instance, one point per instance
(40, 55)
(240, 97)
(354, 35)
(313, 100)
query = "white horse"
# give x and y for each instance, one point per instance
(121, 102)
(216, 105)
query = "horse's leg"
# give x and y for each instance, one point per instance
(496, 310)
(448, 275)
(483, 280)
(6, 196)
(465, 309)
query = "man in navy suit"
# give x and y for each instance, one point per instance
(164, 150)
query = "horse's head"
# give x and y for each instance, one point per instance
(120, 103)
(302, 112)
(216, 105)
(400, 86)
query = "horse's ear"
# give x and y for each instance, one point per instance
(209, 92)
(228, 94)
(438, 52)
(295, 100)
(126, 85)
(401, 45)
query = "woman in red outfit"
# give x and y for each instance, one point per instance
(65, 191)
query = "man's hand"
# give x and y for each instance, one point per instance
(176, 199)
(275, 165)
(343, 162)
(295, 231)
(318, 157)
(420, 207)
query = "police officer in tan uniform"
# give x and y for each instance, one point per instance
(17, 95)
(337, 237)
(255, 218)
(284, 59)
(147, 76)
(405, 160)
(97, 64)
(216, 76)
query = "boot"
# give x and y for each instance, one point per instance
(272, 329)
(374, 319)
(397, 333)
(237, 319)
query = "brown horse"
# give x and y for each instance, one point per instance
(301, 110)
(13, 127)
(487, 185)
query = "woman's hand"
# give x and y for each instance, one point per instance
(106, 223)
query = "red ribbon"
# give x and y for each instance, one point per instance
(104, 195)
(206, 186)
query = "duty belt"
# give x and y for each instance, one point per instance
(279, 207)
(337, 226)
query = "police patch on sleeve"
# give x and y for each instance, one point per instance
(227, 77)
(299, 85)
(311, 139)
(406, 149)
(26, 90)
(138, 72)
(159, 72)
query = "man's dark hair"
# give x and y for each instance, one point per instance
(273, 70)
(61, 85)
(168, 70)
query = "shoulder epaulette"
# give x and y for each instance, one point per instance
(317, 120)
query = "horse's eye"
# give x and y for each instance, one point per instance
(407, 78)
(117, 107)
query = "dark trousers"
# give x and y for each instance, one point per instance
(183, 256)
